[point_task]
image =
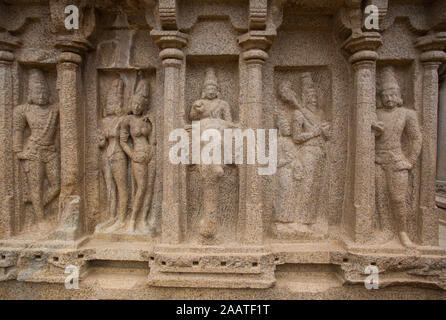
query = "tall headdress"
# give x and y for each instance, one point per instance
(306, 81)
(388, 79)
(36, 76)
(116, 94)
(210, 78)
(143, 88)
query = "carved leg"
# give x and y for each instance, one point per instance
(317, 162)
(119, 171)
(148, 223)
(53, 175)
(35, 173)
(311, 161)
(111, 197)
(382, 202)
(211, 175)
(140, 177)
(398, 182)
(284, 211)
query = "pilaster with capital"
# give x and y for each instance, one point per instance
(431, 57)
(172, 56)
(360, 218)
(70, 105)
(254, 55)
(6, 151)
(72, 44)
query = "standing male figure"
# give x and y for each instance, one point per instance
(392, 164)
(38, 153)
(213, 113)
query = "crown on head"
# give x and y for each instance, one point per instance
(388, 79)
(210, 78)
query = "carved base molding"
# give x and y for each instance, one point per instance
(138, 268)
(212, 267)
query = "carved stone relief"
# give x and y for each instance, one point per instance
(392, 163)
(35, 143)
(127, 144)
(87, 115)
(303, 135)
(213, 187)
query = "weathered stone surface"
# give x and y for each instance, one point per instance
(93, 118)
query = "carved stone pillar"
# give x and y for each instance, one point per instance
(441, 145)
(170, 44)
(359, 219)
(69, 88)
(431, 58)
(67, 70)
(6, 153)
(254, 56)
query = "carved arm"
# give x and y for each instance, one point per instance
(19, 124)
(415, 137)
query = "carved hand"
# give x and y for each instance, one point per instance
(317, 131)
(378, 127)
(326, 130)
(101, 141)
(198, 106)
(124, 136)
(403, 165)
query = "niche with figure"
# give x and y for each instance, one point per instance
(212, 190)
(301, 117)
(126, 138)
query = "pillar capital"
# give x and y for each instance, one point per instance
(432, 46)
(170, 44)
(8, 44)
(72, 44)
(363, 47)
(255, 56)
(70, 57)
(431, 42)
(259, 40)
(169, 39)
(434, 58)
(172, 57)
(6, 57)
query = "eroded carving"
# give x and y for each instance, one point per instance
(114, 160)
(94, 146)
(212, 113)
(127, 151)
(38, 152)
(301, 154)
(140, 152)
(392, 163)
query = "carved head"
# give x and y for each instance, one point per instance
(309, 97)
(390, 90)
(286, 93)
(140, 99)
(114, 102)
(210, 85)
(38, 88)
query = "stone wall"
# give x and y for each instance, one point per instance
(91, 118)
